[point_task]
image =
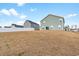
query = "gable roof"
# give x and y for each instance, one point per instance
(17, 25)
(31, 22)
(52, 15)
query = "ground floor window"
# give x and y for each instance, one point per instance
(59, 26)
(52, 27)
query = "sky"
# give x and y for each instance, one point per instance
(17, 13)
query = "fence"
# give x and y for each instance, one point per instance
(15, 29)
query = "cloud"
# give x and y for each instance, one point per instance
(20, 4)
(5, 12)
(71, 15)
(23, 16)
(20, 22)
(32, 9)
(13, 12)
(9, 12)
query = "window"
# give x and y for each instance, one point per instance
(52, 27)
(60, 20)
(59, 26)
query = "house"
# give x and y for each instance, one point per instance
(74, 28)
(0, 26)
(16, 26)
(67, 28)
(31, 24)
(7, 26)
(52, 22)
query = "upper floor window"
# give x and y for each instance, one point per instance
(60, 20)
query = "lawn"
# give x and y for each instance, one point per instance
(39, 43)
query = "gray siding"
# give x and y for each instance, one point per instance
(27, 25)
(35, 26)
(53, 22)
(30, 24)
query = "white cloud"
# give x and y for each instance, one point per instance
(20, 4)
(13, 12)
(20, 22)
(5, 12)
(9, 12)
(23, 16)
(71, 15)
(32, 9)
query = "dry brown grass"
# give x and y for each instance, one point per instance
(41, 43)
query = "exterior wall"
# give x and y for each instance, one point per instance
(52, 23)
(27, 25)
(36, 26)
(7, 26)
(0, 27)
(13, 26)
(16, 26)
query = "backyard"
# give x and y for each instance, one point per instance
(39, 43)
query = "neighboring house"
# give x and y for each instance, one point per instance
(52, 22)
(0, 26)
(67, 28)
(30, 24)
(16, 26)
(7, 26)
(74, 28)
